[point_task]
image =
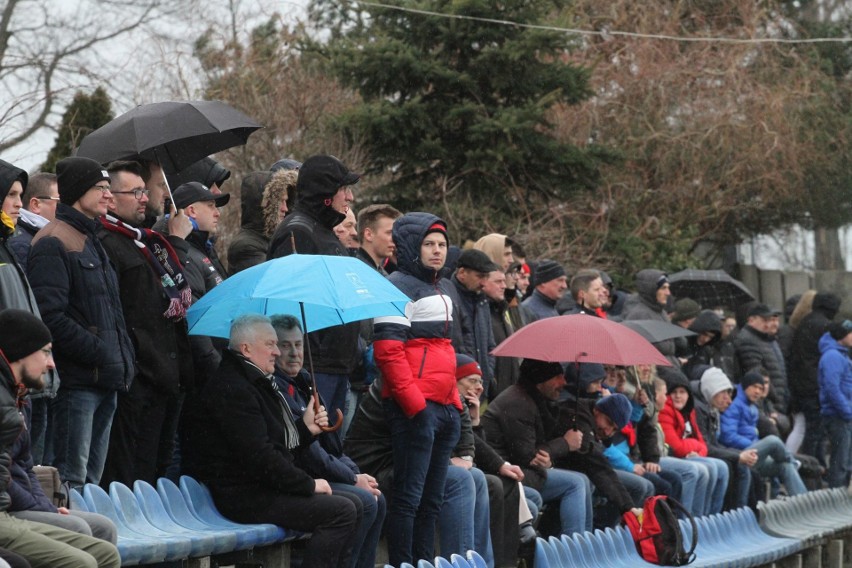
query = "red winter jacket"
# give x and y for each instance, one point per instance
(674, 428)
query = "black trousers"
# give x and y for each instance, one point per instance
(504, 498)
(332, 520)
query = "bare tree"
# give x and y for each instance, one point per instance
(49, 49)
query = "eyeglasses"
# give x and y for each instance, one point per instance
(137, 193)
(474, 380)
(103, 188)
(47, 198)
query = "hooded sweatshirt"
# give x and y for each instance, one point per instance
(835, 379)
(493, 245)
(646, 307)
(680, 427)
(14, 288)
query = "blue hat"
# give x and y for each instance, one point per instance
(617, 407)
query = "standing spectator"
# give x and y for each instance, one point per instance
(649, 303)
(550, 283)
(24, 356)
(40, 197)
(421, 402)
(507, 370)
(156, 184)
(347, 231)
(797, 434)
(263, 205)
(323, 198)
(77, 292)
(700, 348)
(471, 316)
(835, 398)
(755, 345)
(15, 291)
(243, 446)
(375, 235)
(205, 171)
(154, 297)
(804, 364)
(498, 248)
(588, 295)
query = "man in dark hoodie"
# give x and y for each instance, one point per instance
(263, 204)
(323, 197)
(804, 364)
(649, 303)
(206, 171)
(700, 348)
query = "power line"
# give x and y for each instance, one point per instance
(607, 33)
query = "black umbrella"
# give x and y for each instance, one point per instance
(655, 330)
(710, 288)
(175, 134)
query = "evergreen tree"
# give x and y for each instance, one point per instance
(456, 108)
(85, 114)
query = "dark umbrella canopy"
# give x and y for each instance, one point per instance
(710, 288)
(656, 330)
(175, 134)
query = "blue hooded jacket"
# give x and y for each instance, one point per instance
(835, 379)
(739, 423)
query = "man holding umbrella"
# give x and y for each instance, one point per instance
(323, 198)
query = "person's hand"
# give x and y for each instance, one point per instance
(473, 407)
(63, 511)
(461, 463)
(322, 486)
(511, 471)
(179, 224)
(748, 457)
(542, 459)
(652, 467)
(639, 469)
(574, 439)
(605, 393)
(368, 482)
(692, 455)
(315, 421)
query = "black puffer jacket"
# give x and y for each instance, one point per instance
(754, 349)
(76, 288)
(250, 246)
(805, 354)
(472, 327)
(11, 425)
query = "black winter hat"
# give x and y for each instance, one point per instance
(617, 407)
(751, 378)
(206, 171)
(75, 176)
(839, 330)
(476, 260)
(24, 334)
(285, 164)
(534, 371)
(323, 175)
(547, 270)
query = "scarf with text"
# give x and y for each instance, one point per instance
(163, 260)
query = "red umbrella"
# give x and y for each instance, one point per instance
(580, 338)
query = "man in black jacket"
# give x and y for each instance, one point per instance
(143, 430)
(243, 442)
(324, 196)
(77, 292)
(754, 346)
(24, 357)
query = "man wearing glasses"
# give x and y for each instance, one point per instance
(77, 293)
(150, 283)
(39, 208)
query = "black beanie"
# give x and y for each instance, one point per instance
(547, 270)
(534, 372)
(617, 407)
(75, 176)
(23, 334)
(839, 330)
(751, 378)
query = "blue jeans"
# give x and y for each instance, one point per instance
(743, 485)
(840, 433)
(693, 480)
(422, 446)
(534, 501)
(573, 491)
(464, 522)
(717, 484)
(82, 419)
(370, 528)
(637, 486)
(773, 460)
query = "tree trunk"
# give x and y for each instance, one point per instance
(828, 255)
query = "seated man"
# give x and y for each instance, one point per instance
(739, 430)
(521, 425)
(240, 439)
(324, 458)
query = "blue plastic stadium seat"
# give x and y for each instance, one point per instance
(217, 541)
(127, 509)
(200, 503)
(459, 561)
(76, 501)
(441, 562)
(423, 563)
(475, 559)
(132, 547)
(543, 554)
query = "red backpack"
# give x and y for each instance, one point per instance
(657, 533)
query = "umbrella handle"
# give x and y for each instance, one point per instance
(337, 424)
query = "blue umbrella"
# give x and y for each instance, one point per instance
(323, 291)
